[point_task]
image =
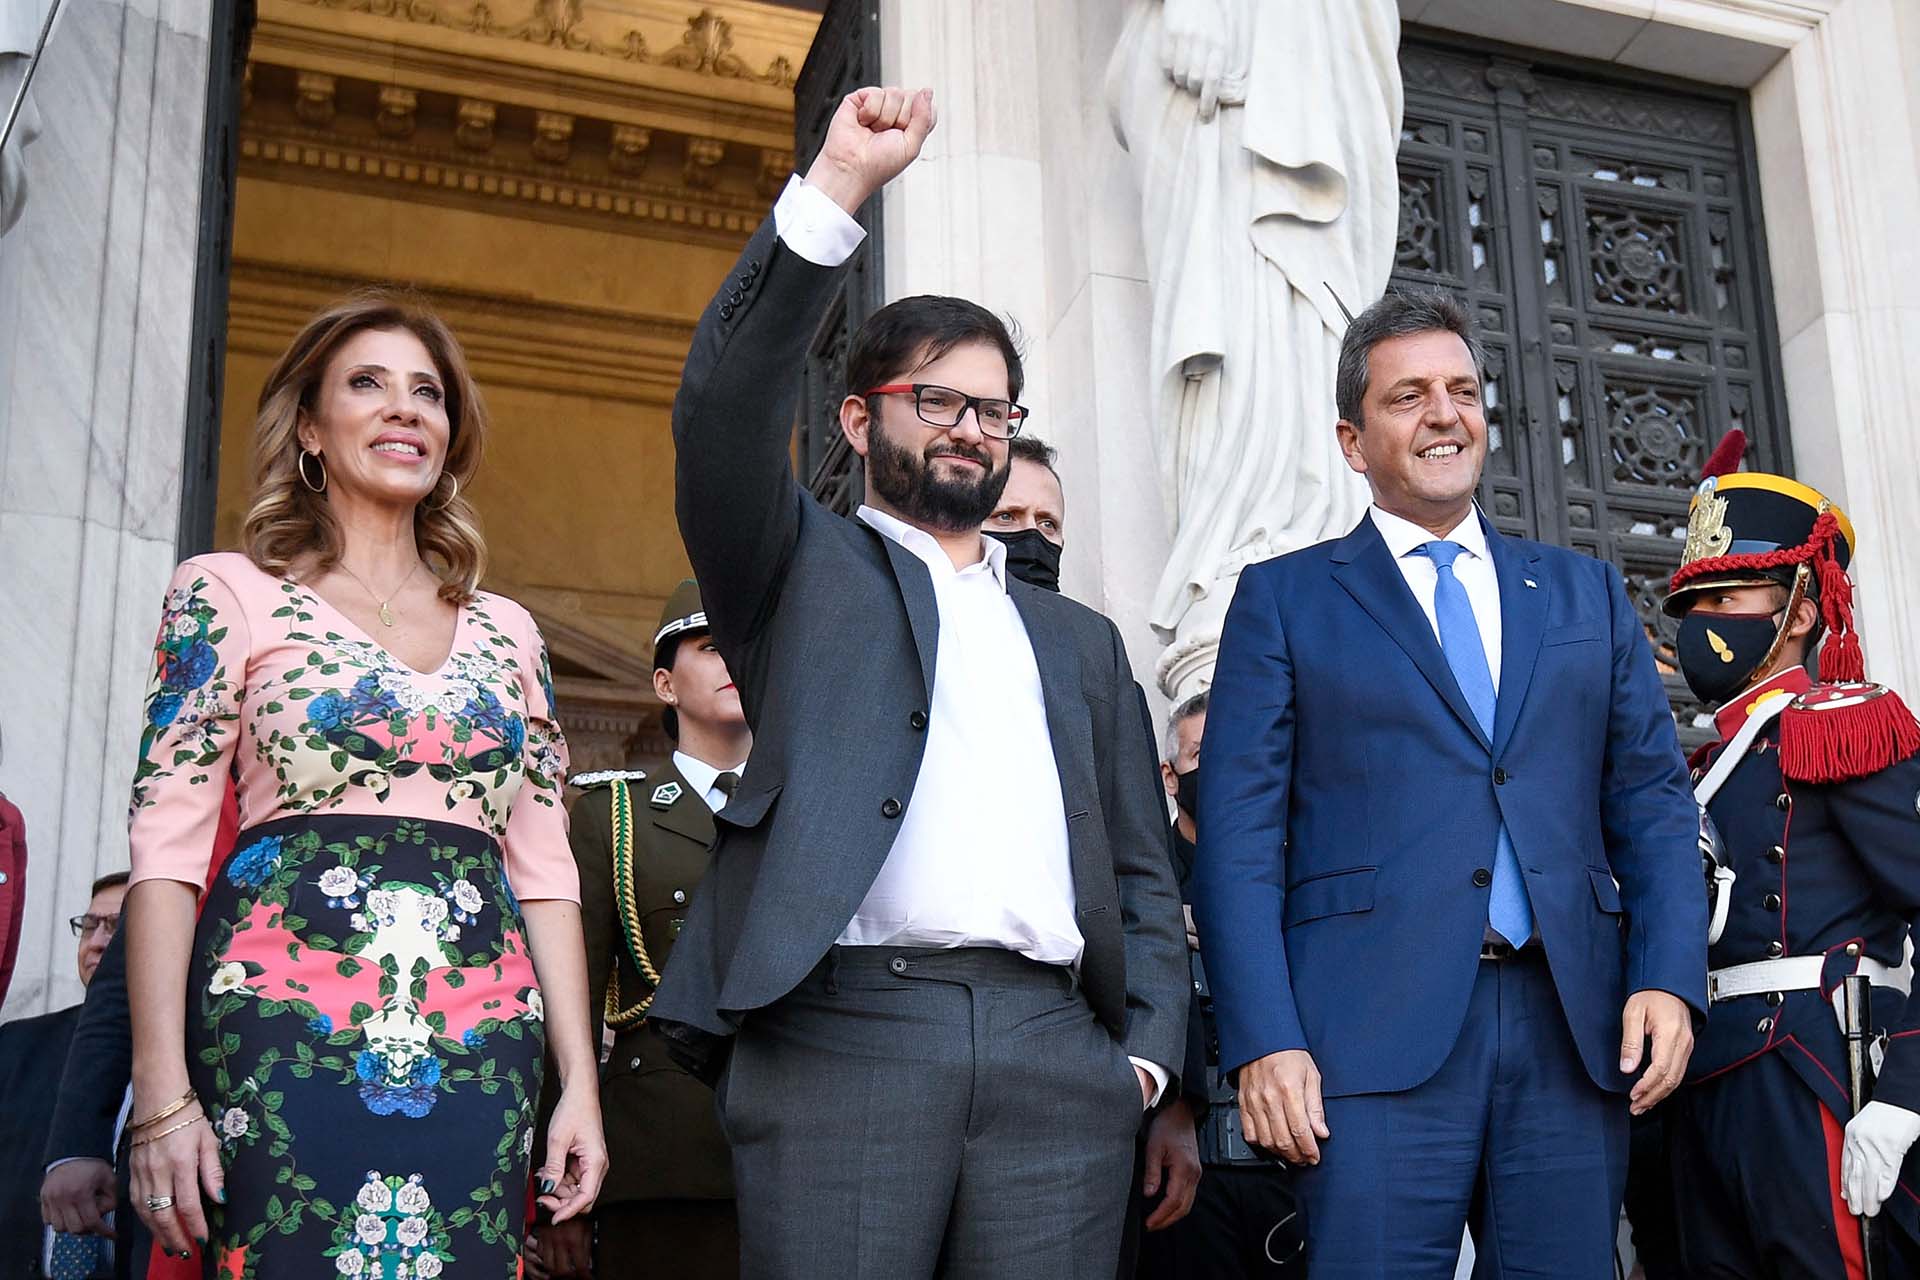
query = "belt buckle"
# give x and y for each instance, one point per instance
(1494, 950)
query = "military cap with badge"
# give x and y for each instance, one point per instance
(1752, 528)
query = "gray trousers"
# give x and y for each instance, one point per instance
(907, 1113)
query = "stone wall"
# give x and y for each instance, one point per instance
(96, 301)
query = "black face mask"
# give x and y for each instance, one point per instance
(1031, 557)
(1719, 652)
(1187, 790)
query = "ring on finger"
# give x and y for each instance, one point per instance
(158, 1204)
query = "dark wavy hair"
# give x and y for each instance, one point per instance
(914, 332)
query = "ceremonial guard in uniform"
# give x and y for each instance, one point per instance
(642, 843)
(1813, 786)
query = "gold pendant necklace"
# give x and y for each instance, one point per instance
(386, 614)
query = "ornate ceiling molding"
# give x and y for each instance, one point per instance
(420, 144)
(724, 69)
(705, 45)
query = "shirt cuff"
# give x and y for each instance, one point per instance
(813, 226)
(1160, 1078)
(69, 1160)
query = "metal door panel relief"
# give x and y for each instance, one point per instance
(845, 56)
(1624, 306)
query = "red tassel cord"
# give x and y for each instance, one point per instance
(1834, 739)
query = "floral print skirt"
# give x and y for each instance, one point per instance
(364, 1030)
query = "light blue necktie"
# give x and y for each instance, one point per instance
(1507, 909)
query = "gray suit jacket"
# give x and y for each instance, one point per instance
(830, 632)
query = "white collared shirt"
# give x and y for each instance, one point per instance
(700, 778)
(809, 222)
(1474, 570)
(980, 859)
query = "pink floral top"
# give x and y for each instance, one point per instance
(257, 675)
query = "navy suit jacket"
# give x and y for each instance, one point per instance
(1351, 801)
(32, 1052)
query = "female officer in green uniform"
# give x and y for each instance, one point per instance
(641, 842)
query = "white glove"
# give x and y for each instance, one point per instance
(1877, 1142)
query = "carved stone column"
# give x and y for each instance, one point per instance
(92, 430)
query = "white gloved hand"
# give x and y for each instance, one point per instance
(1877, 1142)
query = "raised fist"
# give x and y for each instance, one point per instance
(873, 135)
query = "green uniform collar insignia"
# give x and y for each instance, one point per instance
(665, 794)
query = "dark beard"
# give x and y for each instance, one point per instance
(909, 485)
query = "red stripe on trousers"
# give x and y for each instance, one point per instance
(1846, 1227)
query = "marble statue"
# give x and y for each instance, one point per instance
(20, 23)
(1264, 137)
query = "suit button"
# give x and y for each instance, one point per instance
(1774, 998)
(1482, 878)
(753, 267)
(889, 808)
(726, 311)
(1499, 777)
(918, 720)
(898, 964)
(1771, 902)
(1782, 800)
(679, 896)
(1765, 1025)
(734, 297)
(634, 1065)
(1775, 950)
(746, 282)
(1777, 854)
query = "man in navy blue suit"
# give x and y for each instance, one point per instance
(1448, 882)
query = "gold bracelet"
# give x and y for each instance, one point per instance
(163, 1112)
(155, 1137)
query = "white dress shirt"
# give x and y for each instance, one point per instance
(813, 226)
(700, 777)
(1474, 570)
(980, 859)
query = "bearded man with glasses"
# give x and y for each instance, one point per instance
(937, 964)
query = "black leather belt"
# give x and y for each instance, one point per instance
(1501, 949)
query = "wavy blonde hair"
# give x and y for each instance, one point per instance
(287, 521)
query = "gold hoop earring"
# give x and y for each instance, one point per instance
(442, 506)
(304, 479)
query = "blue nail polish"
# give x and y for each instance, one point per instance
(546, 1186)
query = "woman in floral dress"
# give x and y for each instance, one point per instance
(338, 1030)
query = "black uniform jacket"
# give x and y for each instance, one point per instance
(1819, 867)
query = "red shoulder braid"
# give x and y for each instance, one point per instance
(1841, 731)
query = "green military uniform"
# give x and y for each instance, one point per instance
(641, 843)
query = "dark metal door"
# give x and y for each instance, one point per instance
(845, 55)
(230, 34)
(1608, 237)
